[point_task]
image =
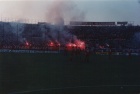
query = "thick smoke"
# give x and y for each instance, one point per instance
(58, 14)
(62, 11)
(56, 34)
(11, 32)
(55, 11)
(17, 29)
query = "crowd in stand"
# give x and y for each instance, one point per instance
(115, 36)
(97, 37)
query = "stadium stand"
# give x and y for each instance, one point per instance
(15, 35)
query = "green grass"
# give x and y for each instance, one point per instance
(56, 74)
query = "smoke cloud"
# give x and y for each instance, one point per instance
(56, 11)
(61, 11)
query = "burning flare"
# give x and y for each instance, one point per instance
(77, 44)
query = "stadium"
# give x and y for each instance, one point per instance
(119, 36)
(82, 57)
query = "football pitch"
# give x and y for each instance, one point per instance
(56, 73)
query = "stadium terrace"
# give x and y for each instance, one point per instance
(97, 36)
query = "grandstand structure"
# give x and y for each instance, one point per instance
(119, 35)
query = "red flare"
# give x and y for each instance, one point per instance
(76, 44)
(51, 44)
(27, 43)
(80, 44)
